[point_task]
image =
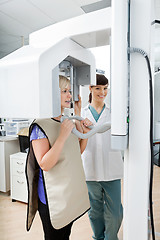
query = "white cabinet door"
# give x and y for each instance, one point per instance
(19, 189)
(6, 149)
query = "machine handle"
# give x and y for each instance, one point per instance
(94, 129)
(20, 163)
(20, 172)
(19, 182)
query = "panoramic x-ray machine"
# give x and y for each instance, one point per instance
(29, 83)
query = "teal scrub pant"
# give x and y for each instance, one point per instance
(106, 210)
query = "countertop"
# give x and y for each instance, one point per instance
(7, 138)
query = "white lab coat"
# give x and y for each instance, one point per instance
(100, 162)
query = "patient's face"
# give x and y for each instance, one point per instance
(66, 97)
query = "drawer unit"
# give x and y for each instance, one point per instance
(18, 179)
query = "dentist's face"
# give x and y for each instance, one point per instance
(99, 92)
(66, 97)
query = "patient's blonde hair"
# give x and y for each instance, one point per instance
(63, 82)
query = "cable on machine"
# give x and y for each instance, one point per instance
(145, 55)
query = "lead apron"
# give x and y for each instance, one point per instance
(65, 185)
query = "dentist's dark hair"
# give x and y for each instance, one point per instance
(100, 80)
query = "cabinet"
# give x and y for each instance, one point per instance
(8, 146)
(18, 178)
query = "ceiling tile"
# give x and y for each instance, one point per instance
(4, 38)
(10, 47)
(58, 10)
(2, 54)
(11, 26)
(27, 14)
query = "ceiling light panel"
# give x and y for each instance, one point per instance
(58, 10)
(96, 6)
(26, 13)
(86, 2)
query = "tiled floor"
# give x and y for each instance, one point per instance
(13, 216)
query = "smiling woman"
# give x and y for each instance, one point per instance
(99, 91)
(103, 168)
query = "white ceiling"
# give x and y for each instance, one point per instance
(18, 18)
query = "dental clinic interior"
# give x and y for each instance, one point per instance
(40, 40)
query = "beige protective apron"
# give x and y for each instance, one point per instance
(65, 186)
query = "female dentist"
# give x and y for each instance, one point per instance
(103, 168)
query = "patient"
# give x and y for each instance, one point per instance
(54, 171)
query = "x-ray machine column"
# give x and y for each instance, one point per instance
(137, 156)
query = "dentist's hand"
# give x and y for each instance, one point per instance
(85, 124)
